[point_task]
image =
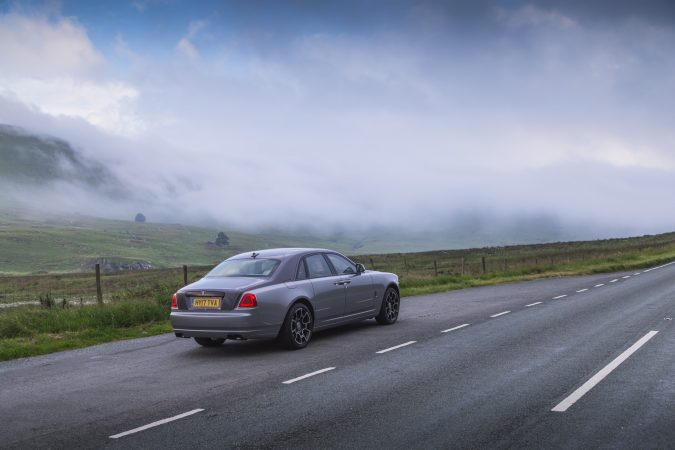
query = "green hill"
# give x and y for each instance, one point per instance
(30, 243)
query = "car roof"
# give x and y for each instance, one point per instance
(279, 252)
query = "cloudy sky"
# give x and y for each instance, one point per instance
(379, 113)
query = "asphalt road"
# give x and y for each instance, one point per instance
(581, 362)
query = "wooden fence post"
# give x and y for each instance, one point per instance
(505, 265)
(185, 275)
(99, 292)
(483, 261)
(462, 271)
(435, 268)
(405, 264)
(372, 264)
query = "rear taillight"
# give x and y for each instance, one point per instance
(174, 302)
(248, 300)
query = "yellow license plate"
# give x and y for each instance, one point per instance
(206, 302)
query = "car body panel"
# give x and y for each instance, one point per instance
(334, 299)
(361, 294)
(329, 299)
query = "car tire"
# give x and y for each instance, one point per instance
(209, 342)
(298, 327)
(391, 303)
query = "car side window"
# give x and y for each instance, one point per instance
(317, 266)
(342, 265)
(302, 272)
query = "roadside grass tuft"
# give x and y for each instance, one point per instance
(47, 301)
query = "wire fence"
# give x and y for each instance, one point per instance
(75, 289)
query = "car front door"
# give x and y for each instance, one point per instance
(329, 293)
(359, 291)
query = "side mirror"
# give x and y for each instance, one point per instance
(360, 268)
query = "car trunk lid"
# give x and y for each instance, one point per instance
(201, 295)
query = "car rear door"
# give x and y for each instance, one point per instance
(329, 293)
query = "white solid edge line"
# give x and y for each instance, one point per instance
(307, 375)
(599, 285)
(560, 296)
(500, 314)
(455, 328)
(582, 290)
(154, 424)
(598, 377)
(395, 347)
(533, 304)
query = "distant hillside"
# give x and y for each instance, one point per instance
(29, 159)
(31, 243)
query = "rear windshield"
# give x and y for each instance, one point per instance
(244, 268)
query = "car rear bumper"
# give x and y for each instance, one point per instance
(221, 325)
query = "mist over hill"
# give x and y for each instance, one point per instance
(50, 176)
(32, 160)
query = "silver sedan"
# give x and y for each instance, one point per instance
(285, 293)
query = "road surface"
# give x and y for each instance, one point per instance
(578, 362)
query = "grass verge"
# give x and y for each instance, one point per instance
(31, 331)
(43, 343)
(411, 286)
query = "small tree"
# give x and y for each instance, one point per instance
(222, 240)
(139, 218)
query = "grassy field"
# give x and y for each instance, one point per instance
(31, 244)
(34, 244)
(137, 302)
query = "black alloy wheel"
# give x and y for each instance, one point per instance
(391, 303)
(297, 330)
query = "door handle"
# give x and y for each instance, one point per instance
(342, 282)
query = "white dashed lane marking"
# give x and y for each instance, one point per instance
(614, 280)
(500, 314)
(533, 304)
(455, 328)
(293, 380)
(395, 347)
(560, 296)
(582, 290)
(599, 285)
(155, 424)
